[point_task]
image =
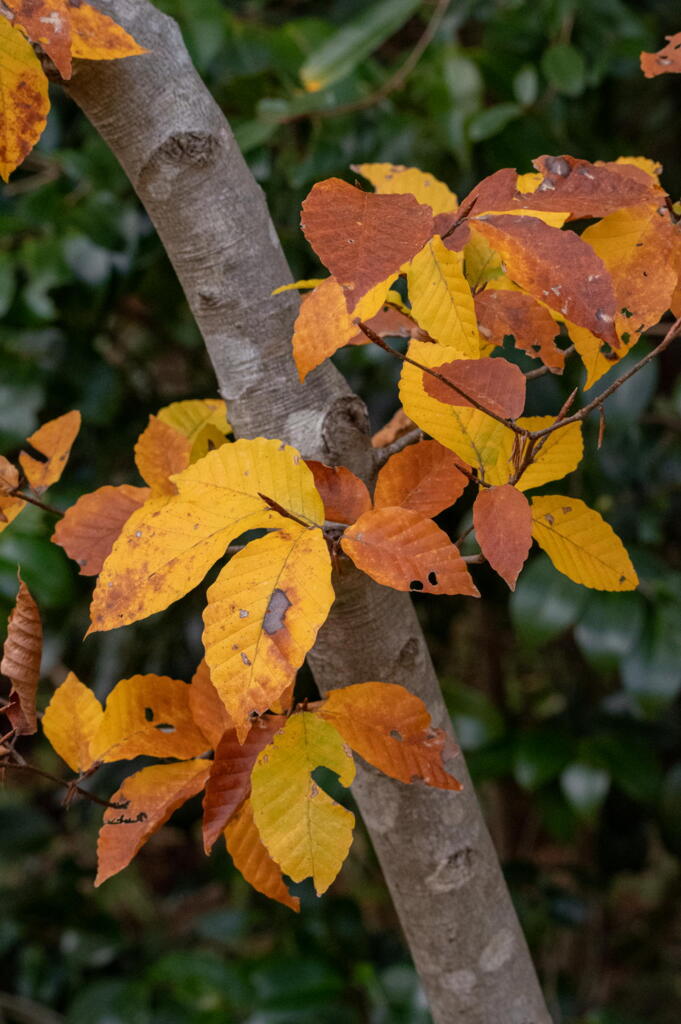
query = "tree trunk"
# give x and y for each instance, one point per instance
(180, 155)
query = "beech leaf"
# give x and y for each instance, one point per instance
(501, 312)
(395, 179)
(202, 420)
(424, 477)
(502, 518)
(24, 99)
(441, 298)
(20, 662)
(46, 22)
(345, 496)
(559, 455)
(251, 858)
(53, 443)
(207, 710)
(71, 722)
(10, 506)
(160, 452)
(666, 60)
(88, 530)
(496, 384)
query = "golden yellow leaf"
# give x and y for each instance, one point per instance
(24, 102)
(304, 285)
(441, 299)
(481, 262)
(473, 435)
(53, 441)
(71, 721)
(262, 617)
(198, 419)
(561, 452)
(167, 546)
(644, 163)
(147, 716)
(95, 36)
(251, 858)
(394, 179)
(590, 350)
(160, 452)
(529, 182)
(46, 22)
(305, 831)
(581, 544)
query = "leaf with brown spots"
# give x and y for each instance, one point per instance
(71, 721)
(46, 22)
(251, 858)
(147, 716)
(229, 782)
(145, 802)
(95, 36)
(495, 385)
(666, 60)
(404, 550)
(262, 617)
(501, 312)
(558, 268)
(503, 528)
(24, 99)
(345, 496)
(424, 477)
(88, 530)
(160, 452)
(395, 179)
(52, 445)
(363, 238)
(20, 662)
(207, 710)
(391, 729)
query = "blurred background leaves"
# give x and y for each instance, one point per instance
(566, 702)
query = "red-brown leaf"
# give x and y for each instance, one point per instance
(502, 518)
(424, 477)
(21, 660)
(388, 323)
(229, 782)
(501, 312)
(207, 710)
(45, 23)
(558, 268)
(89, 528)
(345, 496)
(495, 384)
(363, 237)
(665, 60)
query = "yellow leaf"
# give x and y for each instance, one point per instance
(551, 217)
(322, 326)
(581, 544)
(53, 440)
(262, 617)
(559, 455)
(644, 163)
(590, 350)
(481, 262)
(160, 452)
(24, 102)
(167, 546)
(192, 416)
(473, 435)
(394, 179)
(309, 282)
(529, 182)
(95, 36)
(71, 721)
(251, 858)
(441, 299)
(305, 831)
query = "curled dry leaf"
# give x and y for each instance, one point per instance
(666, 60)
(495, 384)
(502, 518)
(71, 722)
(229, 781)
(23, 98)
(160, 452)
(395, 179)
(251, 858)
(144, 802)
(391, 729)
(424, 477)
(207, 710)
(88, 530)
(404, 550)
(52, 445)
(345, 496)
(21, 656)
(501, 312)
(363, 238)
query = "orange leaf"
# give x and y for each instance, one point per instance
(388, 323)
(402, 549)
(362, 237)
(229, 782)
(10, 507)
(424, 477)
(148, 716)
(52, 441)
(24, 99)
(398, 425)
(71, 721)
(96, 37)
(495, 384)
(558, 268)
(21, 655)
(251, 858)
(207, 710)
(501, 312)
(146, 800)
(345, 496)
(89, 529)
(665, 60)
(322, 326)
(160, 451)
(391, 729)
(46, 22)
(502, 518)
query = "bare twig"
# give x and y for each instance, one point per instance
(533, 374)
(70, 785)
(398, 445)
(16, 493)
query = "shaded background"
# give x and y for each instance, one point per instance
(566, 701)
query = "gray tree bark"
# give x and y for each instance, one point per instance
(179, 153)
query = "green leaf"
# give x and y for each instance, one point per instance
(352, 43)
(564, 68)
(493, 120)
(652, 672)
(585, 787)
(476, 721)
(539, 756)
(609, 628)
(545, 603)
(670, 809)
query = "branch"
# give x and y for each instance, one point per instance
(70, 784)
(533, 374)
(398, 445)
(17, 493)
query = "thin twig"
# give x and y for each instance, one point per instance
(69, 784)
(276, 507)
(398, 445)
(16, 493)
(393, 84)
(478, 559)
(533, 374)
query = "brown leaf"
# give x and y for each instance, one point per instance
(46, 22)
(9, 476)
(502, 518)
(345, 496)
(161, 451)
(363, 237)
(53, 442)
(558, 268)
(89, 529)
(251, 858)
(402, 549)
(229, 782)
(207, 710)
(21, 660)
(501, 312)
(665, 60)
(398, 425)
(495, 384)
(424, 477)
